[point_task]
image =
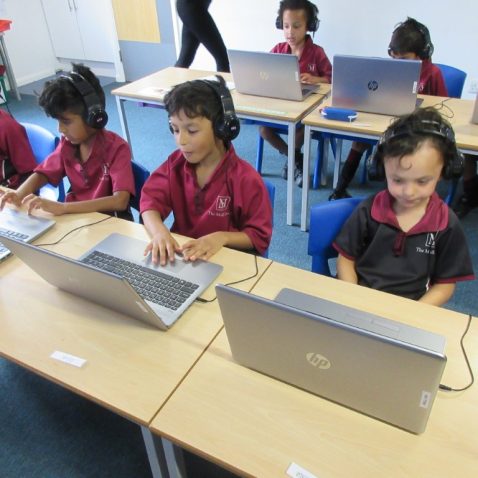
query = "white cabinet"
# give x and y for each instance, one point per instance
(81, 29)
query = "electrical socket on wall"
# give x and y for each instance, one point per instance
(474, 85)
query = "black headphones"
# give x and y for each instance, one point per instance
(312, 15)
(427, 48)
(226, 126)
(95, 115)
(453, 167)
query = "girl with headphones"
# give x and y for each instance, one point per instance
(296, 18)
(410, 41)
(217, 198)
(405, 240)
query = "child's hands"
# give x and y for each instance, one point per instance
(204, 247)
(162, 247)
(308, 78)
(10, 197)
(35, 202)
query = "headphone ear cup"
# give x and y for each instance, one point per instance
(279, 23)
(454, 166)
(171, 130)
(96, 118)
(375, 168)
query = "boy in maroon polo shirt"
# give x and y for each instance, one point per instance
(216, 198)
(16, 156)
(405, 240)
(410, 41)
(296, 18)
(97, 162)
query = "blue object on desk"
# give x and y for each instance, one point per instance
(338, 114)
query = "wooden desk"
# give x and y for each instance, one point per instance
(131, 367)
(372, 126)
(152, 88)
(256, 426)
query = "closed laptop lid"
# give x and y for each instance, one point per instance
(383, 377)
(272, 75)
(375, 85)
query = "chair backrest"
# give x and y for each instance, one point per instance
(454, 79)
(271, 189)
(43, 143)
(326, 221)
(141, 174)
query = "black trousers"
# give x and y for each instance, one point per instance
(199, 27)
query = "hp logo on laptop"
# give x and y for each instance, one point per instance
(318, 360)
(372, 85)
(263, 75)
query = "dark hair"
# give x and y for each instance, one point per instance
(60, 95)
(195, 98)
(311, 10)
(407, 134)
(411, 36)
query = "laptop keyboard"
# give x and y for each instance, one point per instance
(9, 233)
(153, 285)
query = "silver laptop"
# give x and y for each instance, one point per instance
(21, 226)
(157, 295)
(385, 369)
(375, 85)
(272, 75)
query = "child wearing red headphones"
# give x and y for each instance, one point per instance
(96, 162)
(296, 18)
(217, 198)
(410, 41)
(405, 240)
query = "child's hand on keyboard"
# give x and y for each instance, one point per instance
(10, 197)
(204, 247)
(162, 247)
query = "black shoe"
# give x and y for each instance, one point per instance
(465, 205)
(338, 194)
(284, 170)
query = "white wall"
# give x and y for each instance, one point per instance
(355, 27)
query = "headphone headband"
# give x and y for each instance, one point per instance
(453, 162)
(312, 12)
(95, 115)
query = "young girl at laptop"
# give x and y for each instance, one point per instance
(97, 162)
(296, 18)
(410, 41)
(405, 240)
(16, 156)
(216, 198)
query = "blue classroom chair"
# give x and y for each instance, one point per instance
(271, 189)
(454, 79)
(141, 174)
(43, 143)
(326, 220)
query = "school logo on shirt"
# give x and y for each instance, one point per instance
(311, 67)
(222, 203)
(429, 244)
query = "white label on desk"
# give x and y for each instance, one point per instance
(296, 471)
(67, 358)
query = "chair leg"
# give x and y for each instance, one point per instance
(260, 151)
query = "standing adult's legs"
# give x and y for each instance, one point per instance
(189, 46)
(196, 18)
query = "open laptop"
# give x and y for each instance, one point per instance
(157, 295)
(382, 368)
(21, 226)
(272, 75)
(375, 85)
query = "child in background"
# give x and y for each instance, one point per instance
(16, 156)
(216, 198)
(296, 18)
(405, 240)
(410, 41)
(97, 162)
